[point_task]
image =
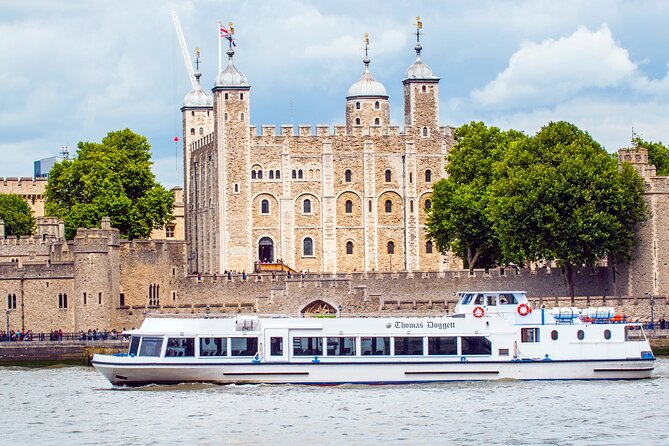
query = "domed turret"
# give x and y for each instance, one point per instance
(231, 76)
(197, 97)
(367, 86)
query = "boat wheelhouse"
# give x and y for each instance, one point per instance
(491, 335)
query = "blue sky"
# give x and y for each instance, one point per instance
(74, 70)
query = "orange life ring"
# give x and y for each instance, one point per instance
(478, 311)
(524, 309)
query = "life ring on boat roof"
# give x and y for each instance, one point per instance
(524, 309)
(478, 311)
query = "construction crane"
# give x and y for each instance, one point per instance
(184, 49)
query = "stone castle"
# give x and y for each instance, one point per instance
(347, 205)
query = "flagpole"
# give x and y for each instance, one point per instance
(218, 34)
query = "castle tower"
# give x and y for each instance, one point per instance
(197, 121)
(367, 101)
(421, 95)
(233, 228)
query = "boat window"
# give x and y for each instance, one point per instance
(408, 345)
(479, 299)
(442, 345)
(491, 300)
(580, 335)
(304, 346)
(151, 346)
(529, 335)
(180, 347)
(607, 334)
(243, 346)
(376, 346)
(554, 335)
(276, 346)
(213, 346)
(134, 346)
(467, 298)
(634, 333)
(341, 346)
(476, 345)
(507, 299)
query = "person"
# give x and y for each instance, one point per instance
(243, 274)
(229, 276)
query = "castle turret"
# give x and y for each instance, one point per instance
(421, 94)
(367, 101)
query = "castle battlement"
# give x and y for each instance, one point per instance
(202, 142)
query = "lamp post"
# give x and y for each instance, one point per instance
(7, 332)
(651, 301)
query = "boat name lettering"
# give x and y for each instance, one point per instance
(428, 324)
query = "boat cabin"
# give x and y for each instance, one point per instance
(491, 301)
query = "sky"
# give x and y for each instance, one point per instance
(75, 70)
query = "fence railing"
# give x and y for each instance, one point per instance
(62, 337)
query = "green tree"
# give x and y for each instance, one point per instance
(560, 196)
(17, 215)
(111, 179)
(658, 154)
(458, 219)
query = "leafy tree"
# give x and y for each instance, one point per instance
(560, 196)
(111, 179)
(458, 219)
(17, 215)
(658, 154)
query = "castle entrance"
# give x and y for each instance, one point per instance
(319, 308)
(266, 250)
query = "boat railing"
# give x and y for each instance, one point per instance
(291, 315)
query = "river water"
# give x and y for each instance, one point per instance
(75, 405)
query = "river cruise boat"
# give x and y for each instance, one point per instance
(491, 336)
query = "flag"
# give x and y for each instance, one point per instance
(224, 33)
(419, 23)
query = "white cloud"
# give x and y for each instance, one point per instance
(554, 70)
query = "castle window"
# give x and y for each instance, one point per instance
(389, 206)
(253, 174)
(377, 105)
(264, 207)
(277, 174)
(294, 173)
(241, 117)
(260, 174)
(370, 206)
(425, 132)
(121, 299)
(377, 121)
(11, 301)
(201, 131)
(207, 113)
(428, 204)
(60, 301)
(271, 174)
(410, 177)
(389, 175)
(424, 89)
(192, 113)
(411, 206)
(241, 96)
(192, 131)
(169, 231)
(299, 174)
(349, 207)
(84, 297)
(357, 105)
(349, 248)
(225, 116)
(236, 188)
(347, 175)
(306, 206)
(308, 247)
(64, 300)
(428, 247)
(391, 247)
(428, 176)
(226, 96)
(357, 121)
(99, 298)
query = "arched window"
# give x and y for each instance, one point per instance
(357, 105)
(264, 207)
(306, 206)
(192, 113)
(260, 174)
(389, 175)
(428, 204)
(241, 117)
(357, 121)
(428, 247)
(294, 173)
(226, 96)
(424, 89)
(60, 301)
(225, 116)
(271, 174)
(389, 206)
(349, 207)
(347, 175)
(241, 96)
(192, 131)
(277, 174)
(377, 105)
(377, 121)
(201, 131)
(425, 131)
(236, 187)
(428, 176)
(253, 174)
(349, 248)
(411, 206)
(307, 247)
(391, 247)
(299, 174)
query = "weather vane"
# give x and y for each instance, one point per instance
(366, 40)
(197, 58)
(419, 26)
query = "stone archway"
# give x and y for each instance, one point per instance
(318, 307)
(266, 250)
